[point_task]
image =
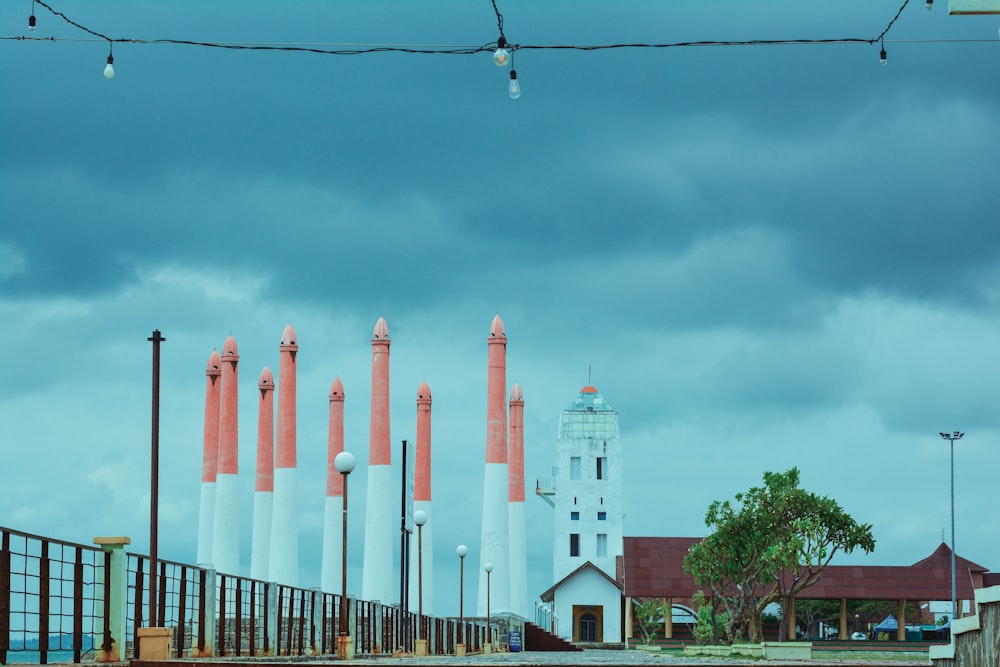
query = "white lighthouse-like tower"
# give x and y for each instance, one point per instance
(586, 493)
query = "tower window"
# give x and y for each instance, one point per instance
(602, 544)
(602, 516)
(602, 467)
(574, 516)
(574, 467)
(574, 544)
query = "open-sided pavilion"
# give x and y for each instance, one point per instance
(653, 567)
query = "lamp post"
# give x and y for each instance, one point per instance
(488, 568)
(951, 438)
(419, 519)
(344, 463)
(461, 551)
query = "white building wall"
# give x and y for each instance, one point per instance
(587, 496)
(591, 589)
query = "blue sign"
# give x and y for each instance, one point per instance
(514, 641)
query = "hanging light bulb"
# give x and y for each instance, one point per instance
(31, 23)
(515, 87)
(882, 59)
(501, 57)
(929, 5)
(109, 70)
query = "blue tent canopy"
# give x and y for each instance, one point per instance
(888, 624)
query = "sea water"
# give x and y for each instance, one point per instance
(34, 657)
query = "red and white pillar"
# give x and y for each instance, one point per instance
(422, 501)
(380, 523)
(284, 566)
(226, 540)
(494, 543)
(333, 511)
(515, 470)
(210, 460)
(260, 550)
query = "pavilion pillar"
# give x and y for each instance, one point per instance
(668, 618)
(628, 618)
(901, 621)
(843, 618)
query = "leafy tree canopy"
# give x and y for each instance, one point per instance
(768, 545)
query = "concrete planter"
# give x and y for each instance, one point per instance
(788, 650)
(692, 650)
(752, 650)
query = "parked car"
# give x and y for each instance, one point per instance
(859, 636)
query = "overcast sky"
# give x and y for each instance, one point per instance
(769, 256)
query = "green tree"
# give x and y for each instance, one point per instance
(649, 615)
(768, 546)
(706, 628)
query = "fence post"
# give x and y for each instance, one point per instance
(315, 622)
(271, 622)
(352, 624)
(115, 604)
(376, 610)
(207, 617)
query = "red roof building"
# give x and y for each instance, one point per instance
(653, 567)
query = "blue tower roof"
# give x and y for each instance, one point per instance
(588, 417)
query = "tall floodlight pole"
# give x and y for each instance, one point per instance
(957, 435)
(344, 463)
(154, 477)
(461, 551)
(488, 568)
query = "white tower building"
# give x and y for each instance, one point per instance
(586, 493)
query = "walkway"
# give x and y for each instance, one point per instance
(588, 658)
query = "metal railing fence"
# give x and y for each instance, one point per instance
(51, 598)
(73, 599)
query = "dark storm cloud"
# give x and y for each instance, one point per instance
(766, 255)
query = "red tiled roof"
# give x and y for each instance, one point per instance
(654, 567)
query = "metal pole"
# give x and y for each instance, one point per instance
(154, 477)
(420, 582)
(343, 569)
(461, 598)
(402, 555)
(956, 435)
(954, 589)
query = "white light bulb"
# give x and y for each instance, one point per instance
(501, 57)
(515, 87)
(31, 23)
(882, 58)
(109, 70)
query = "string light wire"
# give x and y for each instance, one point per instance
(447, 49)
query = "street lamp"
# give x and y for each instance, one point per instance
(344, 463)
(420, 518)
(488, 567)
(957, 435)
(461, 551)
